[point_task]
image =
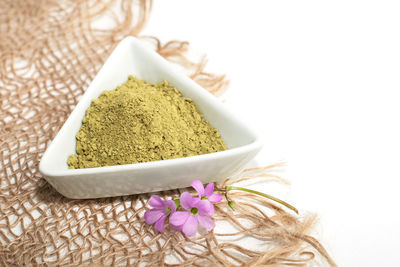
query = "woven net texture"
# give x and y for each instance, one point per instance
(49, 52)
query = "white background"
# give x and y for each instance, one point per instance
(319, 80)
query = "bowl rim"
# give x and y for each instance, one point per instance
(152, 164)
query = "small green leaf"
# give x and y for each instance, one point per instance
(177, 202)
(231, 204)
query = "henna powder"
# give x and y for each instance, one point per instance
(139, 122)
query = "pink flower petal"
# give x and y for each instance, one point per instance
(186, 200)
(156, 202)
(215, 198)
(211, 210)
(176, 228)
(198, 186)
(170, 204)
(190, 226)
(151, 216)
(160, 224)
(206, 221)
(203, 206)
(178, 218)
(195, 200)
(209, 189)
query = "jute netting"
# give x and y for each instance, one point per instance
(49, 52)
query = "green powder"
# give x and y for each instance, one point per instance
(140, 122)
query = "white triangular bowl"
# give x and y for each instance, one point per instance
(131, 57)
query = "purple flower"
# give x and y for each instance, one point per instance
(161, 209)
(207, 193)
(196, 213)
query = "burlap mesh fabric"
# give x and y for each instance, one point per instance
(49, 53)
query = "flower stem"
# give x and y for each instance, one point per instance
(229, 188)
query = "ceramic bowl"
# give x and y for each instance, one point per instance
(131, 57)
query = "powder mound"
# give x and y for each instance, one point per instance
(139, 122)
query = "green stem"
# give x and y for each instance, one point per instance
(229, 188)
